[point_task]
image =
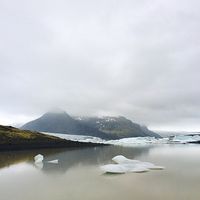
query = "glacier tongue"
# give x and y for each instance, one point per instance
(129, 141)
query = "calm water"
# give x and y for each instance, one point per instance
(77, 176)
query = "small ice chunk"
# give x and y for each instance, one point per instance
(53, 161)
(38, 158)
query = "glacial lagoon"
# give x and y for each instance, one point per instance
(77, 175)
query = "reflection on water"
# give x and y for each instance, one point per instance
(13, 157)
(77, 174)
(70, 157)
(89, 156)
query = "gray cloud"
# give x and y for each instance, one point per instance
(134, 58)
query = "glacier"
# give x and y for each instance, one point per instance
(133, 141)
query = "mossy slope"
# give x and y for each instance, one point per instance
(15, 139)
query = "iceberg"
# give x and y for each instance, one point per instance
(123, 160)
(114, 168)
(136, 168)
(38, 158)
(124, 165)
(123, 168)
(151, 165)
(39, 161)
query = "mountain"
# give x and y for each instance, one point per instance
(15, 139)
(105, 127)
(61, 122)
(117, 127)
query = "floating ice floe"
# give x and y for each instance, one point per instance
(39, 161)
(122, 168)
(53, 161)
(125, 165)
(38, 158)
(113, 168)
(123, 160)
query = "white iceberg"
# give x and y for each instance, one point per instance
(123, 160)
(136, 168)
(53, 161)
(151, 165)
(123, 168)
(38, 158)
(124, 165)
(114, 168)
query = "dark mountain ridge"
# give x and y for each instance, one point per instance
(117, 127)
(104, 127)
(62, 123)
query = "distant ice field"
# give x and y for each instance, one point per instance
(129, 141)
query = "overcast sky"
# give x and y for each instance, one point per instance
(136, 58)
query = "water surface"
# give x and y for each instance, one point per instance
(78, 176)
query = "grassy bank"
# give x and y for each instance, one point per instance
(15, 139)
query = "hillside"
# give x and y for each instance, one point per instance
(15, 139)
(62, 123)
(117, 127)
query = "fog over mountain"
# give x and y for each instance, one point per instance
(104, 127)
(138, 59)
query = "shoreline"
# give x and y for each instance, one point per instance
(12, 139)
